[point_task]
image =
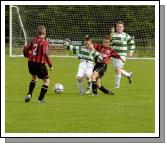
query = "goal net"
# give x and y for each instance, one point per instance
(76, 21)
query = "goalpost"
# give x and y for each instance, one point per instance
(76, 21)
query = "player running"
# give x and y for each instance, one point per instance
(121, 43)
(86, 54)
(101, 66)
(37, 53)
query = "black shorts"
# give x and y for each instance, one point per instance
(100, 68)
(38, 69)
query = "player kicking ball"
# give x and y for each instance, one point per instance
(101, 66)
(37, 53)
(121, 43)
(86, 54)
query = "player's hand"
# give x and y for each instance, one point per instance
(123, 60)
(130, 53)
(51, 69)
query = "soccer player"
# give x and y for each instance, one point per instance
(122, 43)
(101, 66)
(37, 53)
(86, 54)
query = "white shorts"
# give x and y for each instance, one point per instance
(85, 69)
(118, 62)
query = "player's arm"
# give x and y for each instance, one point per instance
(97, 57)
(114, 54)
(27, 49)
(131, 44)
(74, 48)
(46, 53)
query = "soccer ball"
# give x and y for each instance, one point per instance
(58, 88)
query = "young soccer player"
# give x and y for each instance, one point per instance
(121, 43)
(37, 53)
(101, 66)
(86, 54)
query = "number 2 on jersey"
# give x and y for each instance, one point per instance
(35, 49)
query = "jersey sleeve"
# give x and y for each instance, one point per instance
(46, 53)
(27, 49)
(114, 54)
(74, 48)
(96, 56)
(131, 43)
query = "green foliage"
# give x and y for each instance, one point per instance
(130, 110)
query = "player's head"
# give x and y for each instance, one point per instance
(41, 30)
(120, 26)
(107, 41)
(88, 42)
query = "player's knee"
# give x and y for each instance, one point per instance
(34, 77)
(46, 81)
(88, 76)
(94, 76)
(98, 85)
(118, 70)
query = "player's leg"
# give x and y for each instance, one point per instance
(118, 67)
(102, 88)
(89, 84)
(31, 88)
(98, 72)
(117, 76)
(94, 77)
(80, 75)
(43, 74)
(79, 84)
(32, 71)
(32, 84)
(127, 74)
(44, 89)
(89, 72)
(99, 85)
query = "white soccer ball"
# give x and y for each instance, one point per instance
(58, 88)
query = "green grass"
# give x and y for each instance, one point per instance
(130, 110)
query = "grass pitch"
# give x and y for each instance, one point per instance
(130, 110)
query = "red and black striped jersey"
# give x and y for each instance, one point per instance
(106, 53)
(39, 51)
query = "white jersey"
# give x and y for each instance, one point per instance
(87, 58)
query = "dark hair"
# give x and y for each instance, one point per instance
(120, 22)
(87, 38)
(41, 30)
(107, 37)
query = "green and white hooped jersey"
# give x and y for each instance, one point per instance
(84, 54)
(121, 42)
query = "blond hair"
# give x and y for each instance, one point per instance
(41, 30)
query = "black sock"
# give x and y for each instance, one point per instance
(44, 89)
(31, 87)
(94, 87)
(104, 90)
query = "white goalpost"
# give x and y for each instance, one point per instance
(75, 21)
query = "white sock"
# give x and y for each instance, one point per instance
(89, 84)
(125, 73)
(117, 80)
(79, 83)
